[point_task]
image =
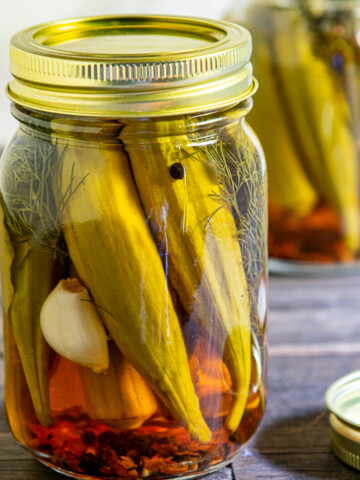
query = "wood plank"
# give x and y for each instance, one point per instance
(305, 311)
(290, 293)
(40, 472)
(292, 467)
(314, 349)
(223, 474)
(10, 450)
(293, 440)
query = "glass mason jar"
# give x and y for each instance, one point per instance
(306, 57)
(133, 245)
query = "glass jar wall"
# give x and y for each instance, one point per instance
(306, 57)
(134, 269)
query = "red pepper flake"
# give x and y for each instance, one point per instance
(81, 445)
(88, 437)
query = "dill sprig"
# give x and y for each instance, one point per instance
(243, 191)
(236, 167)
(240, 175)
(31, 174)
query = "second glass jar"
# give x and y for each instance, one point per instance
(306, 57)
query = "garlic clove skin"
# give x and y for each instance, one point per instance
(72, 327)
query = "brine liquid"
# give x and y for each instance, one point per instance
(154, 266)
(78, 444)
(315, 238)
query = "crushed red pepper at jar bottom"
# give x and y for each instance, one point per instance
(76, 443)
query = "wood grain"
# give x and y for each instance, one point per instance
(313, 328)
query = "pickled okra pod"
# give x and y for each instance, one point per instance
(116, 258)
(334, 40)
(199, 242)
(32, 273)
(17, 390)
(33, 279)
(28, 207)
(291, 190)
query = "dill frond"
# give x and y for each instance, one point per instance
(32, 193)
(235, 165)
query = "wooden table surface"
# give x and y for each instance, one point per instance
(314, 337)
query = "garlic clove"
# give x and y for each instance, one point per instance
(120, 397)
(72, 327)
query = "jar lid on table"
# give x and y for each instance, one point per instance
(343, 401)
(131, 65)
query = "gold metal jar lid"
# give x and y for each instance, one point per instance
(131, 66)
(343, 401)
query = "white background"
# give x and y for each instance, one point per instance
(18, 14)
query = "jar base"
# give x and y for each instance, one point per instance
(295, 268)
(188, 475)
